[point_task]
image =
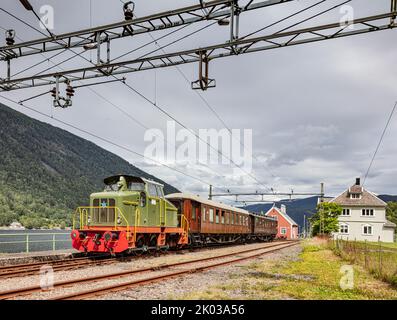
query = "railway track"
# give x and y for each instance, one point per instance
(226, 259)
(19, 270)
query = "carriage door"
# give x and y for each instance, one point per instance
(195, 216)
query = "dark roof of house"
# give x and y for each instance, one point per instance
(356, 189)
(367, 198)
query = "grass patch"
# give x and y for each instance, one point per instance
(315, 274)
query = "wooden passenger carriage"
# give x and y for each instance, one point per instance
(214, 222)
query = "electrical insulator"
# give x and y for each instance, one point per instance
(53, 92)
(10, 35)
(69, 91)
(128, 11)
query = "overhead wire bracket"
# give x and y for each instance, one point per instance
(203, 82)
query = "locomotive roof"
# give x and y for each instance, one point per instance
(128, 178)
(206, 201)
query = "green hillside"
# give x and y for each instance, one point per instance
(46, 172)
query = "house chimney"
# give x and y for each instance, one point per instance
(358, 181)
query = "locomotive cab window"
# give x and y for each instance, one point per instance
(136, 186)
(152, 190)
(159, 190)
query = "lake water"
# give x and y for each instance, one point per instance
(39, 240)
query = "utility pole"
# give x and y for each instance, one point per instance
(321, 192)
(210, 193)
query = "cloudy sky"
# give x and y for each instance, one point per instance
(316, 111)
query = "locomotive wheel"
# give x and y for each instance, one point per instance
(140, 242)
(153, 241)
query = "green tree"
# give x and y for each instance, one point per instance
(391, 211)
(325, 220)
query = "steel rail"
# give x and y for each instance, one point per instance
(33, 264)
(150, 23)
(237, 47)
(57, 267)
(129, 284)
(26, 290)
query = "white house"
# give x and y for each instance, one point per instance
(363, 216)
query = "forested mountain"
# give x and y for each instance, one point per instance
(46, 172)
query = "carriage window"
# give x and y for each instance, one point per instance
(216, 216)
(203, 213)
(152, 190)
(211, 215)
(193, 213)
(237, 219)
(223, 217)
(227, 217)
(232, 217)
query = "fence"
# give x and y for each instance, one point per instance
(376, 257)
(28, 242)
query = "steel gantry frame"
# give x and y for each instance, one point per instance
(213, 10)
(320, 194)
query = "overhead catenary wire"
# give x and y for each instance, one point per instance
(283, 19)
(380, 142)
(172, 117)
(103, 139)
(111, 103)
(183, 126)
(120, 109)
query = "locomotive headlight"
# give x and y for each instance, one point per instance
(89, 220)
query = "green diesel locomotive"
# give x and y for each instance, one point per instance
(131, 214)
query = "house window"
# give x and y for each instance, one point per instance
(344, 228)
(346, 212)
(367, 212)
(367, 229)
(355, 196)
(283, 230)
(211, 215)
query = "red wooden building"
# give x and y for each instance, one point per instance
(287, 228)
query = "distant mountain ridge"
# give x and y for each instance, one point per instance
(45, 172)
(298, 208)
